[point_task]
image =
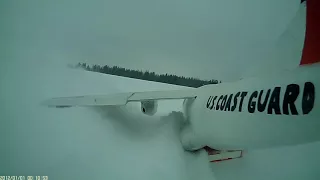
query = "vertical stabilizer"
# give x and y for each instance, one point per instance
(288, 49)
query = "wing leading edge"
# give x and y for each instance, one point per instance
(118, 99)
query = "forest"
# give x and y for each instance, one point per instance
(146, 75)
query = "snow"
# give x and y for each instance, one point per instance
(292, 163)
(116, 143)
(83, 143)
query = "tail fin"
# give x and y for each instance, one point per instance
(311, 49)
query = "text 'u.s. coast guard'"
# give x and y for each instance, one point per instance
(277, 100)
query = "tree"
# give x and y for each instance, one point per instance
(146, 75)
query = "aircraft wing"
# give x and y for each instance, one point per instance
(119, 98)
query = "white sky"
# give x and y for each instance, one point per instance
(203, 38)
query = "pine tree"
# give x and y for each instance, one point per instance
(147, 75)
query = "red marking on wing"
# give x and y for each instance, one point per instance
(211, 151)
(311, 50)
(222, 160)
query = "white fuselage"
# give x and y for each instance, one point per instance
(272, 111)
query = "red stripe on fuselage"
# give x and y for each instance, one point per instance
(311, 49)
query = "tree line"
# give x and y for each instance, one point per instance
(146, 75)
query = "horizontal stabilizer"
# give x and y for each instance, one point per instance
(118, 99)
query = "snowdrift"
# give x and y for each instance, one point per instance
(83, 143)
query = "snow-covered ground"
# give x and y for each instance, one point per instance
(289, 163)
(82, 143)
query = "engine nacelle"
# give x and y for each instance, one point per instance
(187, 103)
(149, 107)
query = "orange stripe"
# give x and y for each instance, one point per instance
(311, 50)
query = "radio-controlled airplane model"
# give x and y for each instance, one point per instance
(277, 110)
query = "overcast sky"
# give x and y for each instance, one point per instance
(217, 39)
